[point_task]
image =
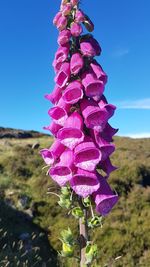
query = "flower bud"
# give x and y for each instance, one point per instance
(76, 63)
(64, 37)
(62, 23)
(66, 9)
(77, 212)
(95, 222)
(79, 17)
(56, 18)
(90, 47)
(76, 29)
(88, 24)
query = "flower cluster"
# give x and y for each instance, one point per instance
(83, 136)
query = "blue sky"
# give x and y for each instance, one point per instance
(27, 47)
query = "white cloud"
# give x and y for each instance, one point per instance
(120, 52)
(136, 135)
(134, 104)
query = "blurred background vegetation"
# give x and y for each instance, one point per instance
(31, 220)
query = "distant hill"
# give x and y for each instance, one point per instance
(17, 133)
(26, 208)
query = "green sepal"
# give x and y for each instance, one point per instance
(67, 251)
(67, 237)
(77, 212)
(95, 222)
(65, 191)
(86, 202)
(91, 253)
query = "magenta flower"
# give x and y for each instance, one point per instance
(90, 47)
(104, 198)
(93, 86)
(61, 23)
(71, 134)
(76, 63)
(62, 54)
(63, 75)
(94, 117)
(107, 167)
(76, 29)
(87, 155)
(56, 18)
(83, 137)
(64, 37)
(62, 104)
(62, 171)
(108, 132)
(59, 115)
(66, 9)
(53, 128)
(100, 74)
(79, 17)
(55, 95)
(53, 153)
(85, 183)
(106, 148)
(73, 92)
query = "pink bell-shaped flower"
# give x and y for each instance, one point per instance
(108, 107)
(63, 75)
(53, 128)
(87, 155)
(73, 92)
(66, 9)
(76, 63)
(90, 47)
(79, 17)
(94, 117)
(84, 183)
(55, 95)
(93, 86)
(56, 18)
(62, 54)
(76, 29)
(104, 198)
(64, 37)
(62, 171)
(106, 148)
(71, 134)
(108, 132)
(62, 104)
(61, 23)
(107, 167)
(100, 74)
(53, 153)
(59, 115)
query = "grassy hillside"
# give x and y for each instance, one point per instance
(30, 219)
